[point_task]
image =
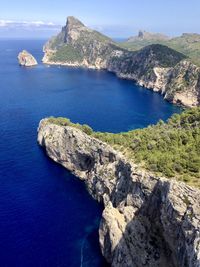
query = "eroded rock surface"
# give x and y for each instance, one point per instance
(147, 221)
(26, 59)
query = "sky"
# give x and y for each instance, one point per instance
(116, 18)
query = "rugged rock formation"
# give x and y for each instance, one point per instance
(148, 36)
(156, 66)
(26, 59)
(78, 45)
(147, 221)
(179, 84)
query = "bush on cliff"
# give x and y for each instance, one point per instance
(171, 149)
(66, 122)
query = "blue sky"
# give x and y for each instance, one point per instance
(119, 18)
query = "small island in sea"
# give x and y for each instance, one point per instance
(26, 59)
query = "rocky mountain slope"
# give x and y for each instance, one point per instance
(26, 59)
(78, 45)
(148, 36)
(155, 66)
(147, 221)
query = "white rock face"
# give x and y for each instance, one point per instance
(147, 221)
(26, 59)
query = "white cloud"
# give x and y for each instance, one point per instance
(4, 23)
(28, 24)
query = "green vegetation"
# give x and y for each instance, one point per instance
(83, 47)
(67, 53)
(66, 122)
(166, 56)
(171, 149)
(188, 44)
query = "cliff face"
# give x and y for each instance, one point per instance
(179, 84)
(156, 66)
(26, 59)
(78, 45)
(147, 221)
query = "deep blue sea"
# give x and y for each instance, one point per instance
(47, 218)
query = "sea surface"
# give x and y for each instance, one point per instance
(47, 218)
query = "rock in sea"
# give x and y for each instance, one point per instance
(26, 59)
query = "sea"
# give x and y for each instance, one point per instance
(47, 217)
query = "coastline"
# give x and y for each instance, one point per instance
(146, 85)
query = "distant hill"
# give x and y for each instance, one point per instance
(143, 35)
(187, 43)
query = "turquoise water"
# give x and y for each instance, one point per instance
(47, 218)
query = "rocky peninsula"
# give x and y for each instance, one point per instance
(147, 220)
(156, 67)
(26, 59)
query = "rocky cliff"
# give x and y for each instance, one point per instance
(148, 36)
(78, 45)
(147, 221)
(156, 66)
(179, 84)
(26, 59)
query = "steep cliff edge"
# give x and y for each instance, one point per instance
(26, 59)
(147, 221)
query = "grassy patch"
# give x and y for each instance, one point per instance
(67, 53)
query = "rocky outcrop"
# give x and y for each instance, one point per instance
(147, 221)
(148, 36)
(26, 59)
(155, 67)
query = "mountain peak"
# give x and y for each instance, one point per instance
(74, 21)
(150, 35)
(141, 34)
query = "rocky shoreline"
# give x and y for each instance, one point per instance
(161, 84)
(147, 220)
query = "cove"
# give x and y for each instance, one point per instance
(47, 218)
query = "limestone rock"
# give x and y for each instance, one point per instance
(147, 221)
(26, 59)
